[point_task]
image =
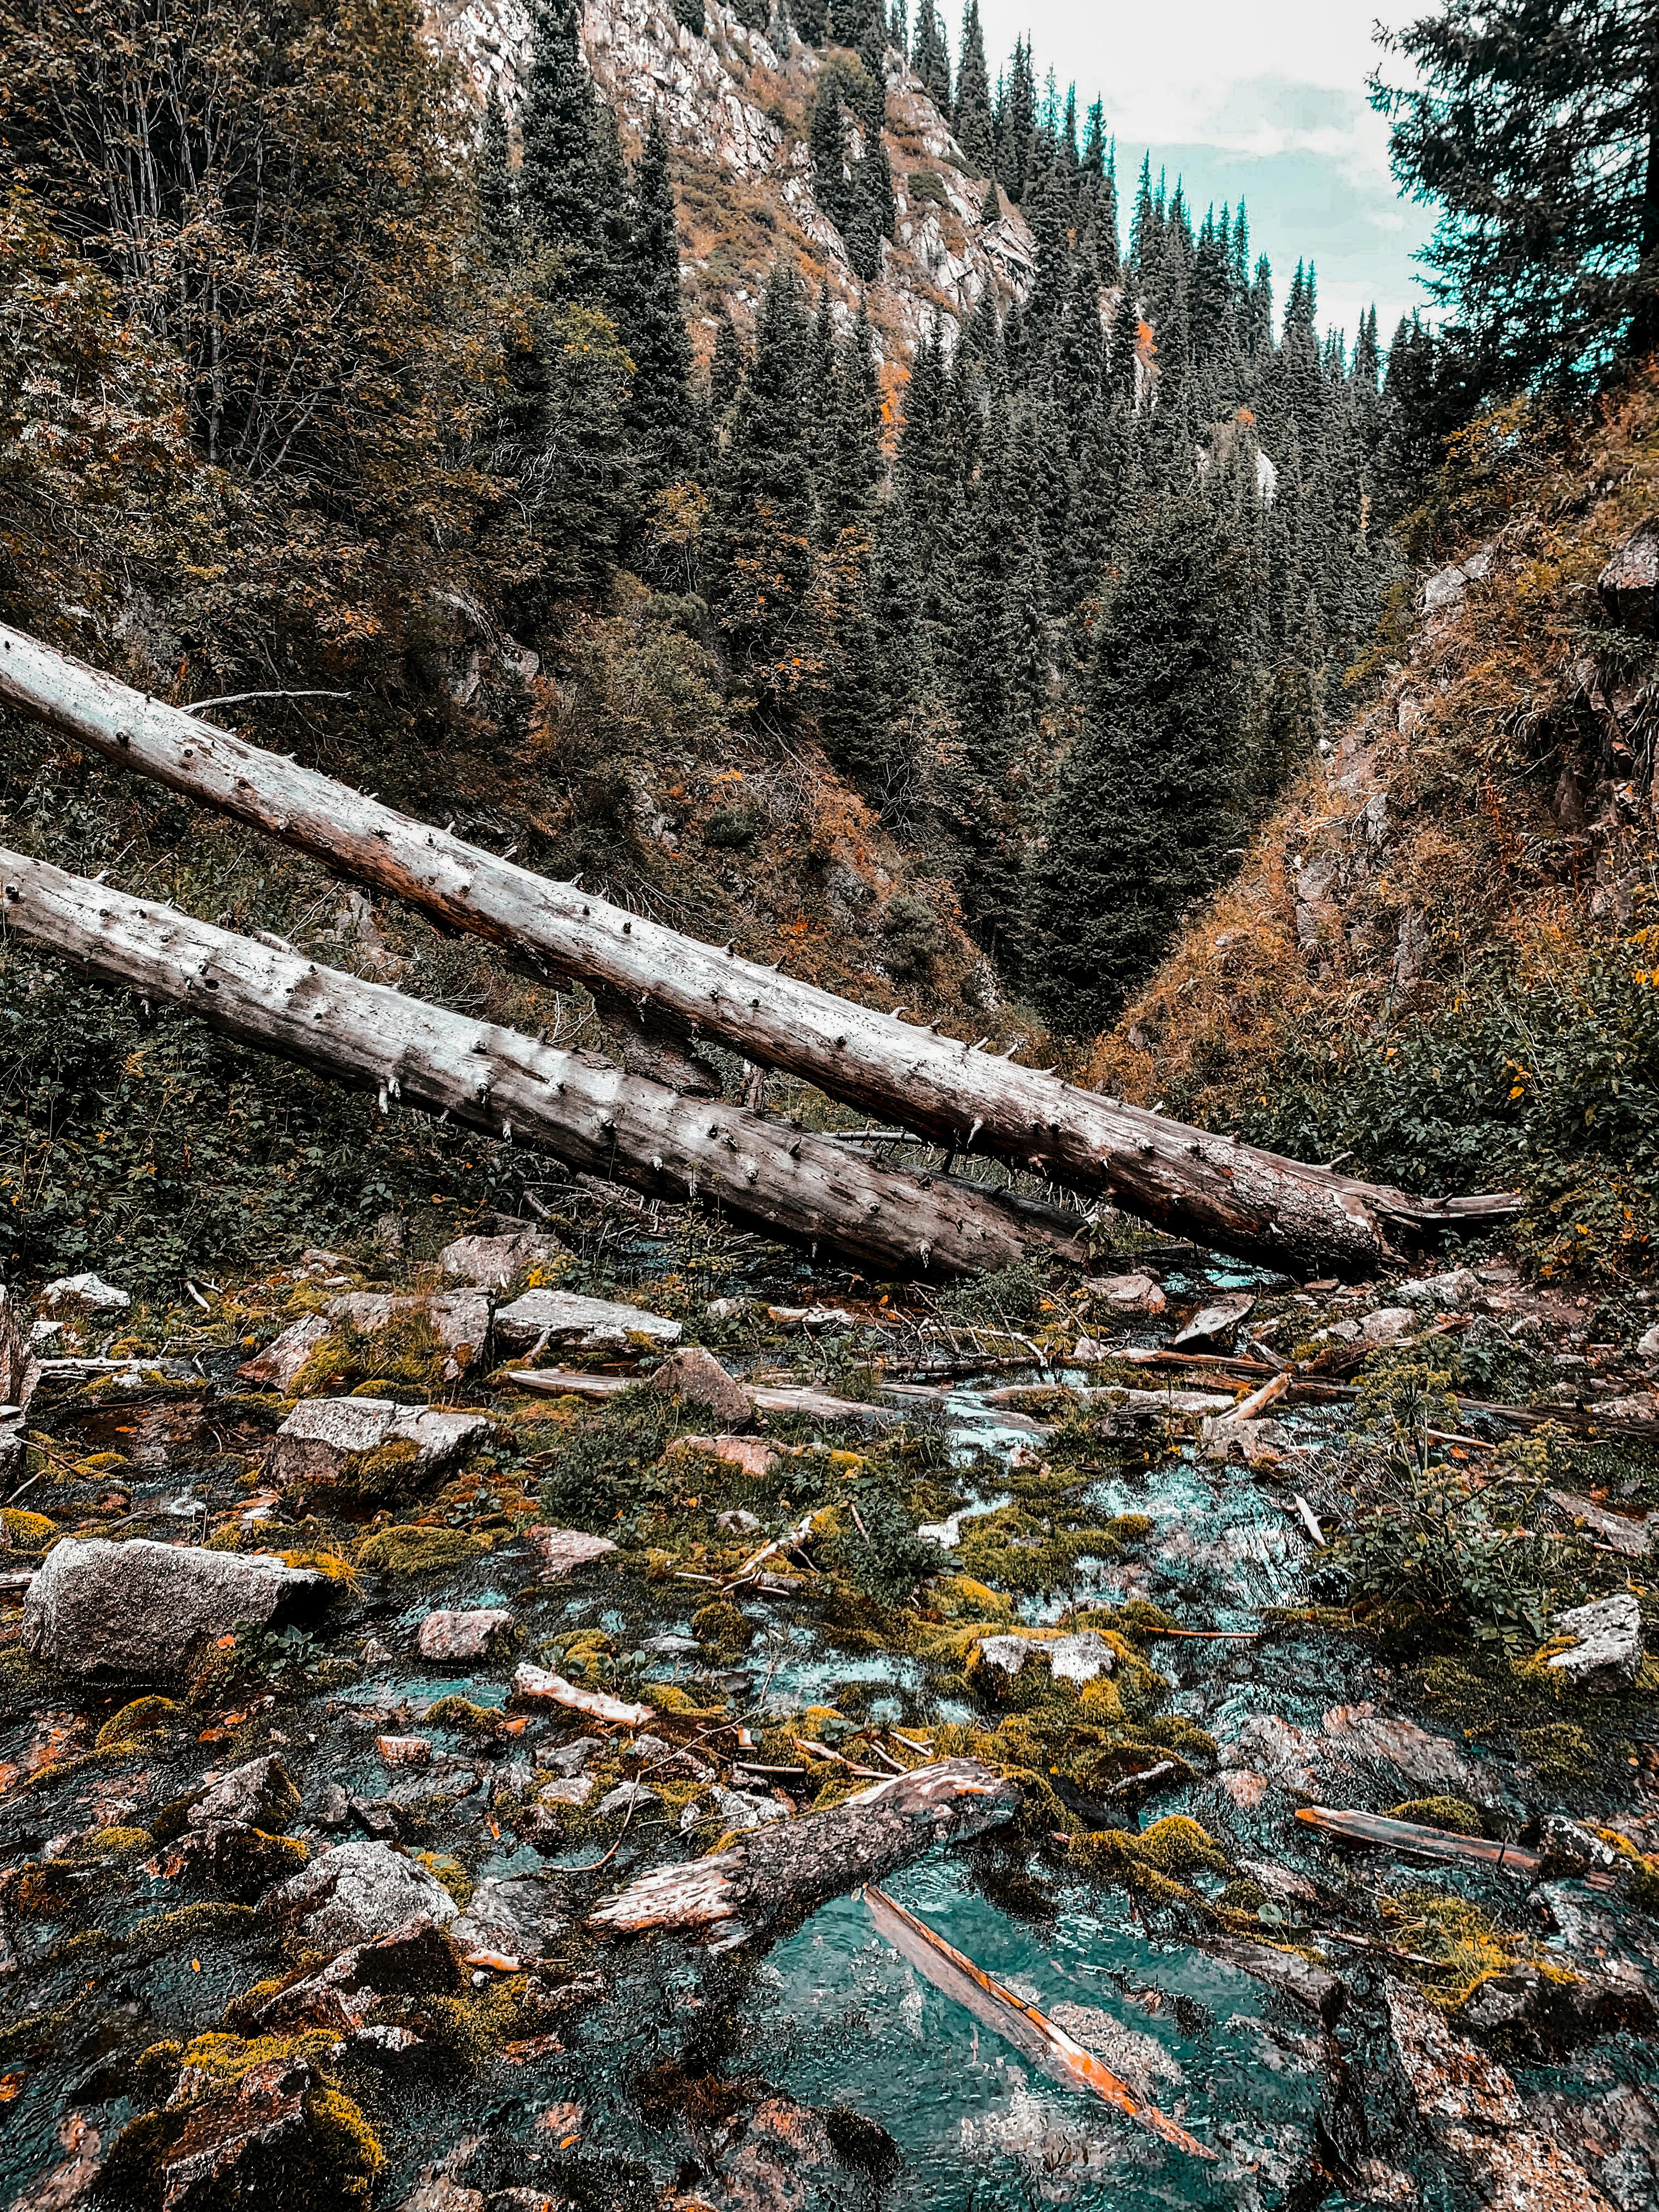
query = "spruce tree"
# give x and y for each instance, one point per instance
(762, 497)
(931, 58)
(660, 419)
(562, 195)
(1144, 807)
(726, 368)
(975, 131)
(827, 143)
(1016, 124)
(498, 195)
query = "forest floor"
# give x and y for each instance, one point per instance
(1013, 1528)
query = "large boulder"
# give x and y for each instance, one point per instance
(1606, 1650)
(356, 1893)
(143, 1608)
(326, 1443)
(278, 1366)
(86, 1293)
(458, 1320)
(563, 1319)
(491, 1262)
(258, 1794)
(514, 1915)
(1629, 584)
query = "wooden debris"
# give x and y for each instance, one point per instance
(1409, 1837)
(540, 1685)
(815, 1405)
(1016, 2022)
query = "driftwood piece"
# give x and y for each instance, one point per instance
(791, 1864)
(1212, 1188)
(537, 1685)
(583, 1109)
(817, 1405)
(1016, 2022)
(1414, 1841)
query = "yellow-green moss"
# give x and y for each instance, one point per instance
(724, 1625)
(121, 1847)
(143, 1716)
(418, 1551)
(29, 1532)
(187, 1928)
(1454, 1814)
(450, 1873)
(479, 1722)
(329, 1564)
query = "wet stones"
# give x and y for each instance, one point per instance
(357, 1892)
(562, 1318)
(696, 1377)
(278, 1366)
(1320, 1992)
(369, 1445)
(1604, 1649)
(258, 1794)
(511, 1915)
(1474, 2112)
(457, 1636)
(144, 1609)
(418, 1960)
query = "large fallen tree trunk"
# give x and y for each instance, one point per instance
(586, 1111)
(1212, 1188)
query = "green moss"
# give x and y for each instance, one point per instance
(330, 1565)
(388, 1471)
(1131, 1528)
(1153, 1863)
(347, 2154)
(1564, 1755)
(1454, 1814)
(143, 1716)
(450, 1873)
(418, 1551)
(725, 1626)
(121, 1847)
(29, 1532)
(187, 1928)
(480, 1722)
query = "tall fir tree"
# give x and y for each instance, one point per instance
(498, 191)
(931, 56)
(660, 419)
(563, 193)
(1144, 808)
(974, 127)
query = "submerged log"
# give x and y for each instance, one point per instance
(584, 1110)
(795, 1864)
(1212, 1188)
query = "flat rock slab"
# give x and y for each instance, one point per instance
(512, 1914)
(89, 1291)
(753, 1455)
(1075, 1659)
(1606, 1650)
(1287, 1972)
(491, 1262)
(320, 1437)
(590, 1324)
(356, 1893)
(1136, 1293)
(278, 1366)
(465, 1635)
(1633, 1537)
(143, 1608)
(561, 1550)
(1217, 1319)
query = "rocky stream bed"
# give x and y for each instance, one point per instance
(369, 1635)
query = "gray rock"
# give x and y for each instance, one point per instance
(574, 1789)
(259, 1795)
(1633, 1537)
(697, 1378)
(1134, 1293)
(589, 1324)
(1212, 1323)
(1443, 591)
(1648, 1346)
(356, 1893)
(1388, 1325)
(569, 1758)
(474, 1635)
(1076, 1659)
(739, 1809)
(20, 1370)
(333, 1807)
(1629, 584)
(627, 1796)
(1453, 1293)
(90, 1291)
(670, 1647)
(743, 1522)
(141, 1607)
(320, 1437)
(459, 1319)
(1322, 1993)
(279, 1364)
(491, 1262)
(1567, 1848)
(513, 1914)
(1606, 1647)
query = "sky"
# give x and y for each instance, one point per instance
(1267, 100)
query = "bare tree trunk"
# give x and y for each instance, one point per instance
(1210, 1188)
(584, 1110)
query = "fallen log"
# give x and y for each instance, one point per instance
(536, 1685)
(1212, 1188)
(586, 1111)
(815, 1405)
(1030, 2031)
(1413, 1840)
(795, 1864)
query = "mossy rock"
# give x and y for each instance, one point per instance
(1565, 1754)
(1154, 1862)
(119, 1846)
(724, 1625)
(480, 1722)
(418, 1551)
(1455, 1814)
(143, 1716)
(1131, 1528)
(187, 1928)
(388, 1471)
(28, 1532)
(450, 1873)
(329, 1564)
(959, 1597)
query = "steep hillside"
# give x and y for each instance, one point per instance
(735, 102)
(1438, 957)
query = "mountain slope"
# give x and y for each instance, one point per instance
(1439, 956)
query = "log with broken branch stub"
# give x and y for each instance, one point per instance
(1213, 1189)
(583, 1109)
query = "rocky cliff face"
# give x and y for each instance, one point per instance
(736, 103)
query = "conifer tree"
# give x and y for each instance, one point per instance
(975, 129)
(931, 58)
(726, 369)
(563, 196)
(1016, 124)
(498, 197)
(763, 497)
(660, 419)
(827, 143)
(1143, 809)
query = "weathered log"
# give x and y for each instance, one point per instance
(1213, 1189)
(1413, 1840)
(794, 1865)
(584, 1110)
